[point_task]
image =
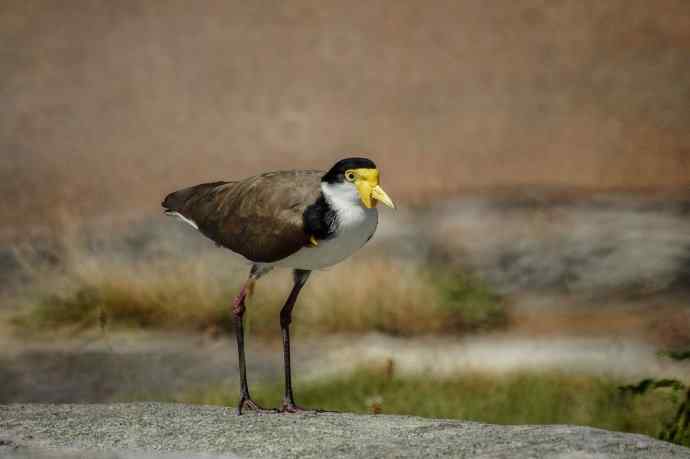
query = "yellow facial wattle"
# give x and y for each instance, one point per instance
(370, 192)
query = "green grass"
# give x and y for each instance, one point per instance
(385, 296)
(519, 398)
(676, 429)
(467, 301)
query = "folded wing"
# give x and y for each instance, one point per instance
(261, 218)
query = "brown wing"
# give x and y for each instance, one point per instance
(260, 218)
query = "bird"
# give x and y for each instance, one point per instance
(304, 220)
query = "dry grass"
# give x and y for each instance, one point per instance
(90, 289)
(399, 298)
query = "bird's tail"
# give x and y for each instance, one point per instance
(180, 201)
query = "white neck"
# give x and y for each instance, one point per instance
(345, 201)
(353, 226)
(341, 195)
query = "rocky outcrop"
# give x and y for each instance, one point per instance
(143, 430)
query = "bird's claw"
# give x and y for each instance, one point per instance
(246, 402)
(290, 407)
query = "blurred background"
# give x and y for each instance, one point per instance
(539, 152)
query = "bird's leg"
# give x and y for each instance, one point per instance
(238, 308)
(301, 277)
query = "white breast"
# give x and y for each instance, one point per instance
(355, 226)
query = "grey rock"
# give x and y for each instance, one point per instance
(174, 431)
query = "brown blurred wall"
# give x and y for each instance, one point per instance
(107, 105)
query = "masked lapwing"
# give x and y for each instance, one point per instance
(300, 219)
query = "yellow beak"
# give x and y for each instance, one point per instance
(370, 192)
(379, 195)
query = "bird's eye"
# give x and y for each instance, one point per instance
(350, 176)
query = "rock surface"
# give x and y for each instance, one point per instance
(142, 430)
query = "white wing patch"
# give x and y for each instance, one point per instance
(179, 216)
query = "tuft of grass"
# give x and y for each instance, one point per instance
(517, 398)
(676, 429)
(388, 296)
(468, 302)
(120, 294)
(112, 304)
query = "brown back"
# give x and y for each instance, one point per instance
(260, 217)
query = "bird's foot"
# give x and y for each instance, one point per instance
(291, 407)
(248, 403)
